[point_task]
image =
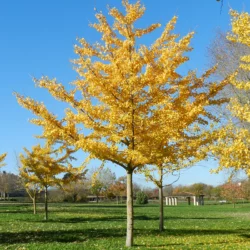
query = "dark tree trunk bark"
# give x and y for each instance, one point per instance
(74, 198)
(161, 218)
(130, 212)
(46, 202)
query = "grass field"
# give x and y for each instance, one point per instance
(93, 226)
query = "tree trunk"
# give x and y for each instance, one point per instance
(34, 204)
(161, 219)
(74, 197)
(97, 199)
(117, 198)
(130, 212)
(46, 202)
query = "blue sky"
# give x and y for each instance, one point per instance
(37, 38)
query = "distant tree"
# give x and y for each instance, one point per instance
(150, 192)
(118, 188)
(141, 198)
(227, 55)
(231, 192)
(168, 190)
(101, 180)
(56, 194)
(74, 188)
(136, 187)
(8, 183)
(245, 186)
(197, 188)
(216, 192)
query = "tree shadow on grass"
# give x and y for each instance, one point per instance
(166, 218)
(186, 232)
(119, 206)
(58, 236)
(82, 220)
(87, 219)
(247, 236)
(87, 234)
(16, 212)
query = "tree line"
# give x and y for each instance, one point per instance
(108, 188)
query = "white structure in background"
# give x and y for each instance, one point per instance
(198, 200)
(171, 201)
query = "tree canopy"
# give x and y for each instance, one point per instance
(129, 97)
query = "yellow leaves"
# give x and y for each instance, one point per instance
(240, 28)
(232, 147)
(94, 180)
(133, 11)
(42, 166)
(2, 157)
(166, 35)
(241, 111)
(133, 106)
(151, 28)
(86, 49)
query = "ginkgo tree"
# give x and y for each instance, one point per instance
(233, 146)
(171, 157)
(2, 158)
(41, 168)
(127, 95)
(32, 188)
(158, 175)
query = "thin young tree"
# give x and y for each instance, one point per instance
(130, 95)
(32, 188)
(158, 175)
(41, 167)
(170, 158)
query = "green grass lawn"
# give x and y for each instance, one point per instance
(93, 226)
